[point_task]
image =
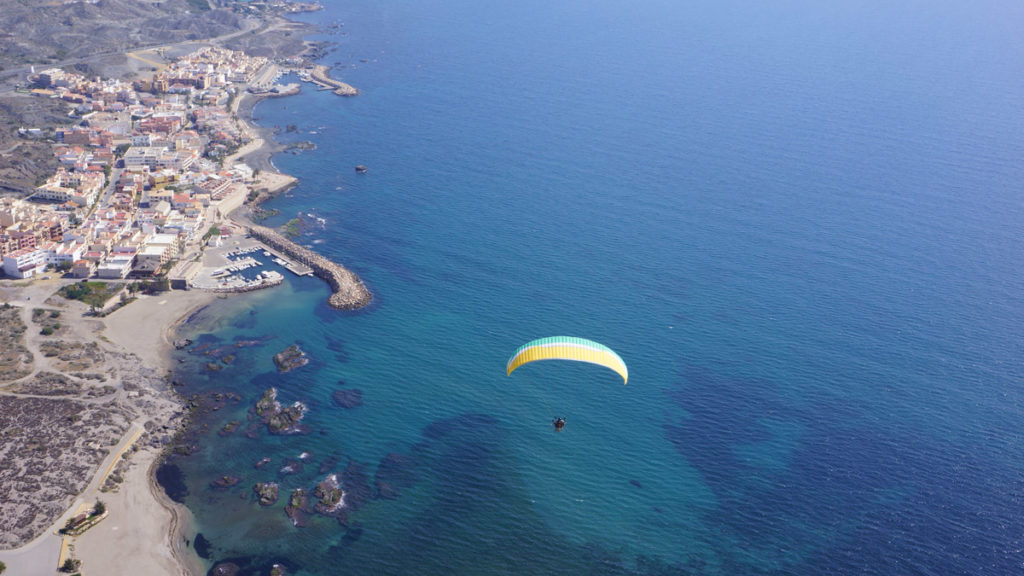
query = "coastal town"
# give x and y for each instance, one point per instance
(149, 172)
(149, 194)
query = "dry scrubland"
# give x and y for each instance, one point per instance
(67, 397)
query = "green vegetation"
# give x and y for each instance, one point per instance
(99, 508)
(94, 294)
(291, 228)
(213, 231)
(70, 565)
(2, 567)
(150, 286)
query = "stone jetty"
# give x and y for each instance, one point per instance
(319, 77)
(349, 291)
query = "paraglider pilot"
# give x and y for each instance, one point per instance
(559, 423)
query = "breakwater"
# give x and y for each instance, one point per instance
(349, 291)
(319, 76)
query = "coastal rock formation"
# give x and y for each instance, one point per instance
(267, 404)
(267, 492)
(290, 358)
(349, 291)
(331, 496)
(297, 508)
(280, 419)
(287, 420)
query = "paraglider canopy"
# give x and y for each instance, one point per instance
(567, 348)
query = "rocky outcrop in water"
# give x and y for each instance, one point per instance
(349, 291)
(280, 419)
(267, 492)
(331, 496)
(297, 509)
(290, 358)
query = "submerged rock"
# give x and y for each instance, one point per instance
(349, 398)
(290, 467)
(202, 546)
(357, 485)
(395, 471)
(225, 481)
(224, 569)
(228, 428)
(329, 463)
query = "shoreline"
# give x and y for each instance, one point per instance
(178, 527)
(148, 512)
(146, 531)
(137, 344)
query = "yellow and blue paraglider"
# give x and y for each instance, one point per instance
(567, 348)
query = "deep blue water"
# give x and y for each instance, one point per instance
(798, 222)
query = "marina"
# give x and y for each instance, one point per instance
(231, 269)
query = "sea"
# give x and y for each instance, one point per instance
(798, 222)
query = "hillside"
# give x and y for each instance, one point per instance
(43, 32)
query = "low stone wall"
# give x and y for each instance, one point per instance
(349, 291)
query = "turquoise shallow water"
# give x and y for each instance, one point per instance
(799, 225)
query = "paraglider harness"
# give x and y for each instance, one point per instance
(559, 423)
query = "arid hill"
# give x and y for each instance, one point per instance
(24, 162)
(40, 32)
